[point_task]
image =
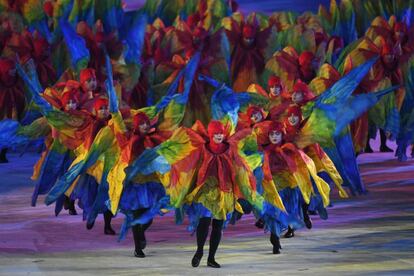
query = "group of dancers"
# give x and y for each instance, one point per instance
(194, 108)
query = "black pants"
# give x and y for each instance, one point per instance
(138, 230)
(3, 157)
(107, 219)
(215, 236)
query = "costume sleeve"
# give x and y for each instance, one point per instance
(103, 142)
(13, 134)
(183, 152)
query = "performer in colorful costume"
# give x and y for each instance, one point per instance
(12, 96)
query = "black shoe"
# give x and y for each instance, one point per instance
(308, 222)
(276, 249)
(139, 253)
(385, 149)
(73, 212)
(213, 263)
(276, 246)
(259, 224)
(368, 149)
(195, 262)
(89, 226)
(290, 233)
(4, 160)
(109, 231)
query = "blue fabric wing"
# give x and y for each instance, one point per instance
(356, 105)
(35, 90)
(343, 88)
(343, 156)
(147, 163)
(76, 45)
(70, 176)
(133, 35)
(55, 165)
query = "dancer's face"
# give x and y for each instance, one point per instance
(399, 36)
(389, 58)
(143, 127)
(248, 41)
(297, 97)
(275, 137)
(103, 112)
(293, 119)
(71, 105)
(91, 84)
(275, 90)
(218, 138)
(256, 117)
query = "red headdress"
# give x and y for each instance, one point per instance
(400, 27)
(86, 74)
(306, 58)
(140, 118)
(274, 81)
(99, 103)
(249, 31)
(200, 33)
(71, 94)
(300, 86)
(193, 19)
(294, 110)
(40, 46)
(48, 8)
(215, 127)
(387, 50)
(100, 36)
(275, 126)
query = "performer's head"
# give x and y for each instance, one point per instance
(294, 115)
(142, 123)
(7, 70)
(193, 19)
(216, 132)
(275, 86)
(275, 133)
(320, 36)
(41, 47)
(88, 80)
(249, 34)
(307, 60)
(255, 114)
(400, 31)
(70, 99)
(387, 54)
(101, 107)
(199, 35)
(48, 8)
(300, 92)
(100, 36)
